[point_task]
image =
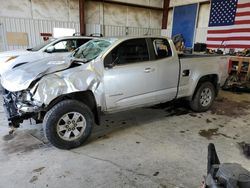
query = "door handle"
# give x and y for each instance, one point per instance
(148, 70)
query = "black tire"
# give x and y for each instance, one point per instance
(196, 103)
(56, 113)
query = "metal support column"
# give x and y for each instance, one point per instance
(81, 15)
(165, 14)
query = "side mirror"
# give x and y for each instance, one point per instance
(109, 62)
(110, 65)
(50, 49)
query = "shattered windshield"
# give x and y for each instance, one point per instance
(91, 49)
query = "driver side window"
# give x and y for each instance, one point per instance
(65, 46)
(130, 51)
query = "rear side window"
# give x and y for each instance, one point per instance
(131, 51)
(67, 45)
(162, 48)
(80, 42)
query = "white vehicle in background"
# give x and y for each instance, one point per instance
(56, 47)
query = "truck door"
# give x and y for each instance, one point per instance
(132, 79)
(168, 69)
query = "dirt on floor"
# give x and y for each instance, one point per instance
(161, 146)
(224, 106)
(213, 132)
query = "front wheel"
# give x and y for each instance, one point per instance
(68, 124)
(203, 97)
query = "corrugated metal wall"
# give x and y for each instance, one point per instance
(130, 31)
(169, 32)
(34, 27)
(111, 30)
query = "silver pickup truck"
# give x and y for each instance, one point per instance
(107, 75)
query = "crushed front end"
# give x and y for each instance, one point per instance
(20, 106)
(31, 89)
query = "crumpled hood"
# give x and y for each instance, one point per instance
(4, 56)
(13, 53)
(21, 77)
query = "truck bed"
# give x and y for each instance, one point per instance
(185, 56)
(203, 64)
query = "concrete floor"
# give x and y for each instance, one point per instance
(152, 147)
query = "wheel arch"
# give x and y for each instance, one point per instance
(86, 97)
(213, 78)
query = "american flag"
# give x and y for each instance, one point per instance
(229, 24)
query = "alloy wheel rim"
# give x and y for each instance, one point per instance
(206, 97)
(71, 126)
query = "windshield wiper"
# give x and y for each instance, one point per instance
(79, 61)
(29, 49)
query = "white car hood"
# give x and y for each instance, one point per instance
(21, 77)
(13, 53)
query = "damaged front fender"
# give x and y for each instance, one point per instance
(69, 81)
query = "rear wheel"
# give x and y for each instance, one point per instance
(203, 97)
(68, 124)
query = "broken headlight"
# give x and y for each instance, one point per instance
(24, 96)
